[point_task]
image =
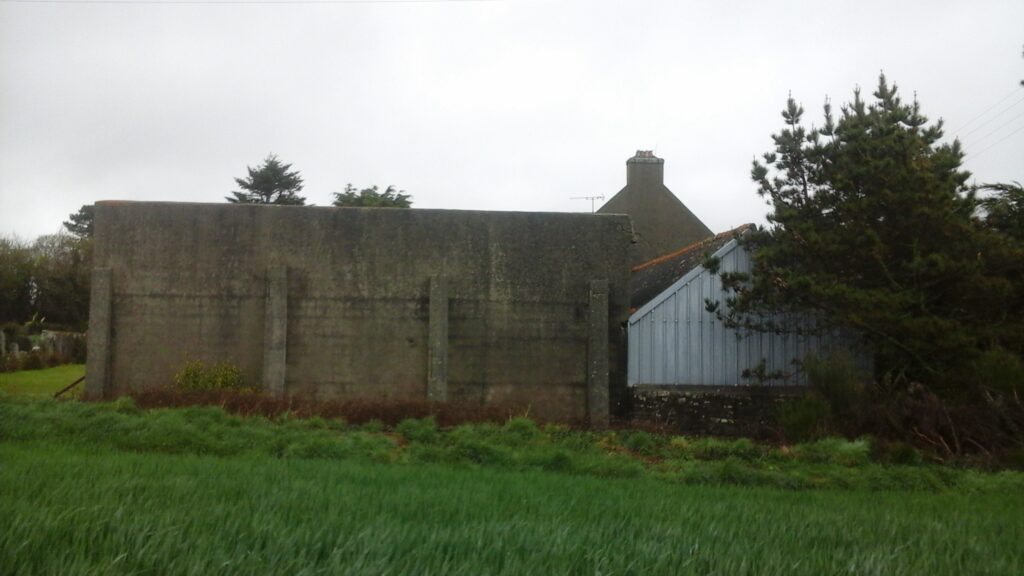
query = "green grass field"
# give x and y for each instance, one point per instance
(110, 489)
(42, 383)
(76, 511)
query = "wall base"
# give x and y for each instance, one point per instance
(712, 410)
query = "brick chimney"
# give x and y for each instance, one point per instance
(645, 169)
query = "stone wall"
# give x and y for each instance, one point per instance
(712, 410)
(491, 307)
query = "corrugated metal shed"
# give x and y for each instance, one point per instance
(673, 339)
(651, 278)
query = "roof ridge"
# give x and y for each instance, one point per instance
(686, 249)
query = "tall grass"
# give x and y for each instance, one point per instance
(81, 510)
(112, 489)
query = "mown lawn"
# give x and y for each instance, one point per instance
(109, 489)
(41, 383)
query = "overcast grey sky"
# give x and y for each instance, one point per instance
(505, 105)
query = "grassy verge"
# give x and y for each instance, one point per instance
(41, 383)
(518, 444)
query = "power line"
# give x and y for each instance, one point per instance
(998, 129)
(997, 142)
(989, 121)
(987, 110)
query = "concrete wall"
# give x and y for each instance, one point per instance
(337, 302)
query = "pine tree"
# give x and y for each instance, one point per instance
(873, 228)
(270, 183)
(1004, 209)
(371, 197)
(80, 224)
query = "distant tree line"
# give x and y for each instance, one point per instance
(45, 282)
(274, 182)
(46, 279)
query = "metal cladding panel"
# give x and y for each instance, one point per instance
(674, 339)
(633, 361)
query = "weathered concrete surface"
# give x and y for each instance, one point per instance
(713, 410)
(98, 347)
(275, 332)
(597, 352)
(437, 370)
(190, 281)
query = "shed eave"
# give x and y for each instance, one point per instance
(689, 276)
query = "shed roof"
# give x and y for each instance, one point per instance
(652, 277)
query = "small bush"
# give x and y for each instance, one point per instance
(554, 460)
(12, 363)
(372, 426)
(804, 419)
(522, 428)
(337, 424)
(34, 361)
(423, 430)
(570, 439)
(834, 451)
(715, 449)
(481, 452)
(316, 423)
(643, 443)
(890, 452)
(838, 381)
(124, 405)
(198, 376)
(1000, 370)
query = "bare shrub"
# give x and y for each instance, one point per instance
(247, 402)
(197, 376)
(33, 361)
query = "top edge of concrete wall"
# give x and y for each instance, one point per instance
(325, 208)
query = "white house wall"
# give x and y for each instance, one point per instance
(674, 339)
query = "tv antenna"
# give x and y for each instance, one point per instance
(591, 198)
